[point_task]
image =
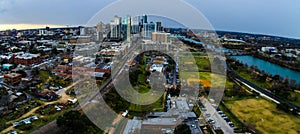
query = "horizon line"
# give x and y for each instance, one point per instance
(28, 26)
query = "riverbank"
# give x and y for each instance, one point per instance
(270, 68)
(277, 62)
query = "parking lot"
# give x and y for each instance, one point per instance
(217, 118)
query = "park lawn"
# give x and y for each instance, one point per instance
(43, 120)
(246, 75)
(195, 54)
(229, 84)
(44, 75)
(215, 79)
(156, 106)
(297, 94)
(237, 122)
(202, 63)
(265, 116)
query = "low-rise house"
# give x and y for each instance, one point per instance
(27, 59)
(47, 95)
(13, 78)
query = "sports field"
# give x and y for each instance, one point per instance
(265, 116)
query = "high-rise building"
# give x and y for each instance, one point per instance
(102, 31)
(148, 29)
(145, 19)
(126, 27)
(161, 37)
(135, 24)
(83, 31)
(115, 28)
(159, 27)
(128, 30)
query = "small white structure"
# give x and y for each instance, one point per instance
(73, 100)
(156, 67)
(125, 113)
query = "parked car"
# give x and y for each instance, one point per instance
(211, 121)
(204, 109)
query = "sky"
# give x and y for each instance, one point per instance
(272, 17)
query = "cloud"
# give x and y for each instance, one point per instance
(6, 5)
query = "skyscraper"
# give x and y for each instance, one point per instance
(102, 31)
(148, 29)
(115, 28)
(159, 28)
(135, 21)
(127, 27)
(145, 19)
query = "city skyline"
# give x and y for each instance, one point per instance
(279, 18)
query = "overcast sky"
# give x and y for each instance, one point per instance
(275, 17)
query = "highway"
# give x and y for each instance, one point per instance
(261, 91)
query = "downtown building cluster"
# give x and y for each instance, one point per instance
(122, 28)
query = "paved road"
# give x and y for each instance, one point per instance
(263, 92)
(217, 118)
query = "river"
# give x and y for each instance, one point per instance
(269, 67)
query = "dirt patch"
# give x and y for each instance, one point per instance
(205, 83)
(188, 63)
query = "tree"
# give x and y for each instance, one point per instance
(283, 106)
(75, 122)
(54, 51)
(182, 129)
(22, 72)
(249, 126)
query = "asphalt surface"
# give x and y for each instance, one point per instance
(263, 91)
(219, 121)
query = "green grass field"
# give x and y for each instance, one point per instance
(256, 82)
(44, 75)
(297, 94)
(215, 79)
(265, 116)
(267, 85)
(202, 63)
(136, 110)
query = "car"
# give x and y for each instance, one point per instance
(14, 132)
(26, 121)
(230, 124)
(216, 127)
(215, 106)
(34, 117)
(207, 114)
(16, 124)
(211, 121)
(220, 112)
(223, 115)
(204, 109)
(227, 119)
